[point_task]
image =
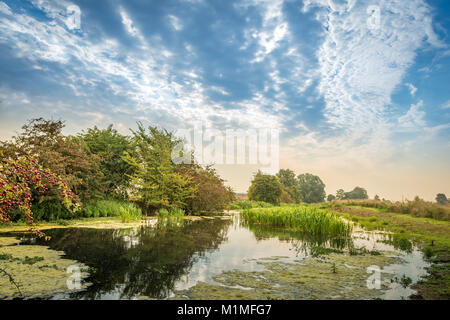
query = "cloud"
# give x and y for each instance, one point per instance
(412, 88)
(414, 118)
(446, 105)
(360, 66)
(175, 22)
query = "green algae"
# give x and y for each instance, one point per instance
(310, 278)
(38, 271)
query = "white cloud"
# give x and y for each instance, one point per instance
(414, 118)
(446, 105)
(175, 22)
(412, 89)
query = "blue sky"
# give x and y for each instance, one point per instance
(358, 100)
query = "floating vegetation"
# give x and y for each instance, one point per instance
(306, 219)
(318, 251)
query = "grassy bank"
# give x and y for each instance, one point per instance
(431, 235)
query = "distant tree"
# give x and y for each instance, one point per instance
(340, 194)
(357, 193)
(291, 192)
(265, 187)
(331, 198)
(376, 198)
(311, 187)
(441, 198)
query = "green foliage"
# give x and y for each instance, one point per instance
(107, 208)
(291, 193)
(417, 207)
(155, 181)
(312, 189)
(172, 212)
(340, 194)
(356, 193)
(110, 146)
(441, 198)
(247, 204)
(265, 188)
(309, 220)
(130, 213)
(331, 198)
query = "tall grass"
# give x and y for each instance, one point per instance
(417, 207)
(247, 204)
(130, 212)
(309, 220)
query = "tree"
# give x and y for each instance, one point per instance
(357, 193)
(340, 194)
(312, 189)
(63, 155)
(265, 187)
(211, 194)
(331, 198)
(110, 146)
(441, 198)
(155, 181)
(18, 178)
(290, 193)
(376, 198)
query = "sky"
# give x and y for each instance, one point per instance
(358, 90)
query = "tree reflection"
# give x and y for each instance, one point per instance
(145, 261)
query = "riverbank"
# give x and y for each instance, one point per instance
(431, 235)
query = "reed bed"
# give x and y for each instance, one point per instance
(309, 220)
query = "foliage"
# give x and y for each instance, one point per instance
(130, 213)
(107, 208)
(330, 198)
(247, 204)
(265, 188)
(18, 178)
(417, 207)
(340, 194)
(211, 195)
(291, 193)
(441, 198)
(312, 189)
(356, 193)
(155, 181)
(110, 146)
(64, 156)
(309, 220)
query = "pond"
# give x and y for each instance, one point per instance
(209, 258)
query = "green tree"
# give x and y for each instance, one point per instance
(110, 145)
(340, 194)
(357, 193)
(331, 198)
(265, 187)
(155, 181)
(290, 193)
(441, 198)
(311, 188)
(376, 198)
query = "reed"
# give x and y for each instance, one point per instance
(309, 220)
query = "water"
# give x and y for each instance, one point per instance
(154, 260)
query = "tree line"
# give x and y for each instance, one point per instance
(287, 187)
(99, 164)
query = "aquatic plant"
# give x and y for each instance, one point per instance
(306, 219)
(130, 213)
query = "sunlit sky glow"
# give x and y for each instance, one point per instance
(356, 104)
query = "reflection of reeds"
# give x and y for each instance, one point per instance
(308, 220)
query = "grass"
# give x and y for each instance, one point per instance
(417, 207)
(430, 234)
(130, 212)
(248, 204)
(304, 218)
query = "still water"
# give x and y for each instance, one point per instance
(157, 259)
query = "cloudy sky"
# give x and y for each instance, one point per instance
(360, 90)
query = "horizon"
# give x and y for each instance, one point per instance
(357, 89)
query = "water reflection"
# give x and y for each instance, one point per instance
(154, 260)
